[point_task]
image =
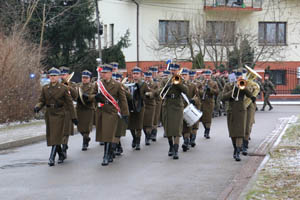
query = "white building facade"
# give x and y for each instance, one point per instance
(273, 24)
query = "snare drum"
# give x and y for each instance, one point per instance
(191, 115)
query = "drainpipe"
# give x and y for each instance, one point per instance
(137, 32)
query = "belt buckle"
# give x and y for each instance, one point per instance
(173, 96)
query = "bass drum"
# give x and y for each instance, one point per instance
(191, 115)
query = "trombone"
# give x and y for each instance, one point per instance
(241, 84)
(173, 80)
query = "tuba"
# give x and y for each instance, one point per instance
(253, 86)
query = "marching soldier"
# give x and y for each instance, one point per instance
(85, 108)
(157, 114)
(197, 103)
(236, 113)
(192, 96)
(56, 98)
(268, 89)
(137, 107)
(112, 97)
(150, 105)
(208, 89)
(122, 125)
(69, 128)
(172, 109)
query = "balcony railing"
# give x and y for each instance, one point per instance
(247, 5)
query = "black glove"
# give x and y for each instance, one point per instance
(98, 97)
(192, 101)
(75, 121)
(125, 118)
(36, 109)
(85, 97)
(253, 99)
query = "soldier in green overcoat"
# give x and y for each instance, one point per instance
(268, 89)
(236, 113)
(172, 109)
(197, 103)
(137, 107)
(111, 98)
(69, 128)
(56, 98)
(192, 96)
(85, 107)
(208, 90)
(150, 104)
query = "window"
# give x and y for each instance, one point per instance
(173, 32)
(272, 33)
(220, 32)
(111, 34)
(278, 77)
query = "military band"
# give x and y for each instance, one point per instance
(143, 102)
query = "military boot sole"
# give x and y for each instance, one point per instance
(175, 157)
(193, 145)
(51, 163)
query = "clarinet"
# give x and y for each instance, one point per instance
(205, 89)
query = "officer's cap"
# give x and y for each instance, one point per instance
(192, 73)
(106, 68)
(153, 69)
(118, 75)
(238, 72)
(64, 70)
(166, 72)
(54, 71)
(136, 70)
(174, 66)
(86, 73)
(207, 72)
(185, 71)
(114, 65)
(148, 74)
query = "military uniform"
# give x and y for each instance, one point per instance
(69, 127)
(85, 109)
(208, 89)
(172, 113)
(150, 104)
(268, 88)
(107, 114)
(236, 116)
(56, 98)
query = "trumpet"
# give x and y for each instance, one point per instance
(176, 79)
(241, 84)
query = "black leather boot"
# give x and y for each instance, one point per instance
(138, 141)
(237, 157)
(61, 155)
(185, 145)
(119, 150)
(133, 144)
(85, 143)
(175, 155)
(171, 148)
(111, 155)
(234, 151)
(52, 156)
(245, 147)
(147, 138)
(64, 150)
(193, 140)
(153, 134)
(106, 152)
(206, 133)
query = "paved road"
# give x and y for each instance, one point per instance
(202, 173)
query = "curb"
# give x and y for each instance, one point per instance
(241, 180)
(22, 142)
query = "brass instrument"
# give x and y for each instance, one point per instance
(253, 86)
(68, 79)
(173, 80)
(80, 92)
(241, 84)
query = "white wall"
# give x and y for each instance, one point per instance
(123, 15)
